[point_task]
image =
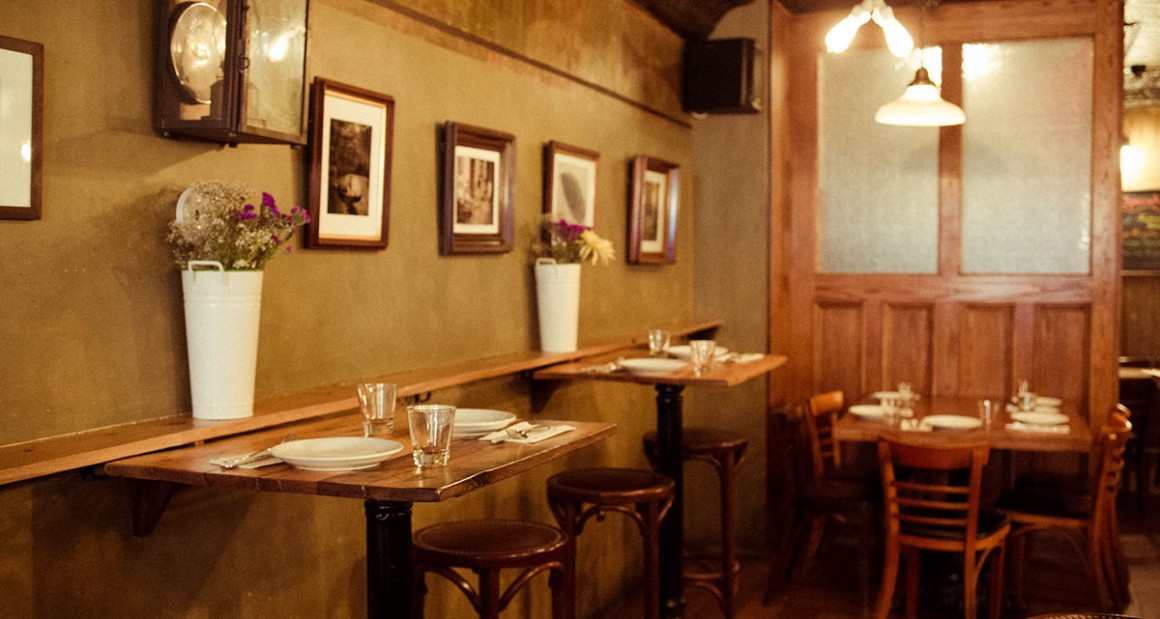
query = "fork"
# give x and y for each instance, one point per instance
(522, 433)
(253, 456)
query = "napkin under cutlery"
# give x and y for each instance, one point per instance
(266, 460)
(536, 433)
(741, 358)
(1030, 427)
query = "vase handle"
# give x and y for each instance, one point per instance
(211, 264)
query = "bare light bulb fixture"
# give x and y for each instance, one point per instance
(899, 41)
(921, 105)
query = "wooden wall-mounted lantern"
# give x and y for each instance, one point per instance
(232, 71)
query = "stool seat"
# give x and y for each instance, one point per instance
(698, 441)
(487, 543)
(611, 485)
(486, 547)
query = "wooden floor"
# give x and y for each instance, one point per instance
(1056, 582)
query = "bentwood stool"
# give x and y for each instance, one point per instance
(724, 451)
(486, 547)
(644, 496)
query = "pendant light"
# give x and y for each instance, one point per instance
(899, 41)
(921, 105)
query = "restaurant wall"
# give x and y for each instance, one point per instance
(1141, 302)
(731, 185)
(92, 332)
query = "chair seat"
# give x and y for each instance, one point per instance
(487, 543)
(1046, 501)
(990, 523)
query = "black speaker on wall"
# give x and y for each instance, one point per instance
(722, 76)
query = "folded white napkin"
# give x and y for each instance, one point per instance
(744, 357)
(536, 433)
(1153, 372)
(260, 462)
(1019, 426)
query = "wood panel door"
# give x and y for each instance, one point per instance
(948, 331)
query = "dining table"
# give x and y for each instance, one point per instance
(1005, 433)
(726, 371)
(389, 490)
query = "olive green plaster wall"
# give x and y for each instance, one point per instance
(92, 331)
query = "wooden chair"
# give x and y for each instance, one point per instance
(1087, 518)
(828, 495)
(1141, 396)
(930, 506)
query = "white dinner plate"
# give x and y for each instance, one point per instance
(471, 422)
(336, 453)
(1042, 401)
(866, 411)
(879, 395)
(951, 422)
(1040, 418)
(650, 366)
(681, 351)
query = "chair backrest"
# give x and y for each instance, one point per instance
(820, 416)
(1109, 456)
(933, 491)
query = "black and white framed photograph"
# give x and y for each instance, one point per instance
(653, 212)
(21, 127)
(570, 183)
(478, 168)
(350, 174)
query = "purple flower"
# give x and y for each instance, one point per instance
(267, 199)
(247, 212)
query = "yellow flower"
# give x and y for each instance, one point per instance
(598, 249)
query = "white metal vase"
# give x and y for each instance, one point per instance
(222, 310)
(558, 304)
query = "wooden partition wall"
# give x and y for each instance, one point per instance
(948, 332)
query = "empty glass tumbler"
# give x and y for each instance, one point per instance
(377, 402)
(431, 427)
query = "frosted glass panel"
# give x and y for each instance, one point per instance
(1027, 156)
(878, 184)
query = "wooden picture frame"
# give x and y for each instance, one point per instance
(21, 128)
(652, 223)
(476, 205)
(350, 166)
(1140, 240)
(570, 174)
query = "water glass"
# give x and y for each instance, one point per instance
(701, 354)
(377, 402)
(987, 412)
(890, 411)
(658, 342)
(431, 426)
(905, 395)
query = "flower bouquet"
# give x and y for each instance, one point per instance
(567, 243)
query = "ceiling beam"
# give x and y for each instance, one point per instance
(692, 19)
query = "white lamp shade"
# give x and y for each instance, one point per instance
(920, 106)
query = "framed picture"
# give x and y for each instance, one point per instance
(21, 127)
(476, 214)
(652, 225)
(1140, 218)
(350, 170)
(570, 183)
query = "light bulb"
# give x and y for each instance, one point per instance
(897, 38)
(839, 37)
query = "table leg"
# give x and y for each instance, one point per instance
(670, 461)
(388, 559)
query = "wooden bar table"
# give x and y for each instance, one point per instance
(1077, 439)
(388, 490)
(669, 441)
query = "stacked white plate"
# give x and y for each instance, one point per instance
(866, 411)
(1044, 417)
(682, 351)
(951, 422)
(651, 366)
(336, 453)
(473, 422)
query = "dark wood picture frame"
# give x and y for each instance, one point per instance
(652, 221)
(352, 130)
(477, 211)
(20, 190)
(570, 175)
(1140, 240)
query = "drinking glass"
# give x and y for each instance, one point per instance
(658, 342)
(377, 402)
(431, 426)
(890, 411)
(701, 354)
(987, 412)
(905, 396)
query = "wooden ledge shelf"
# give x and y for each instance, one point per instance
(21, 461)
